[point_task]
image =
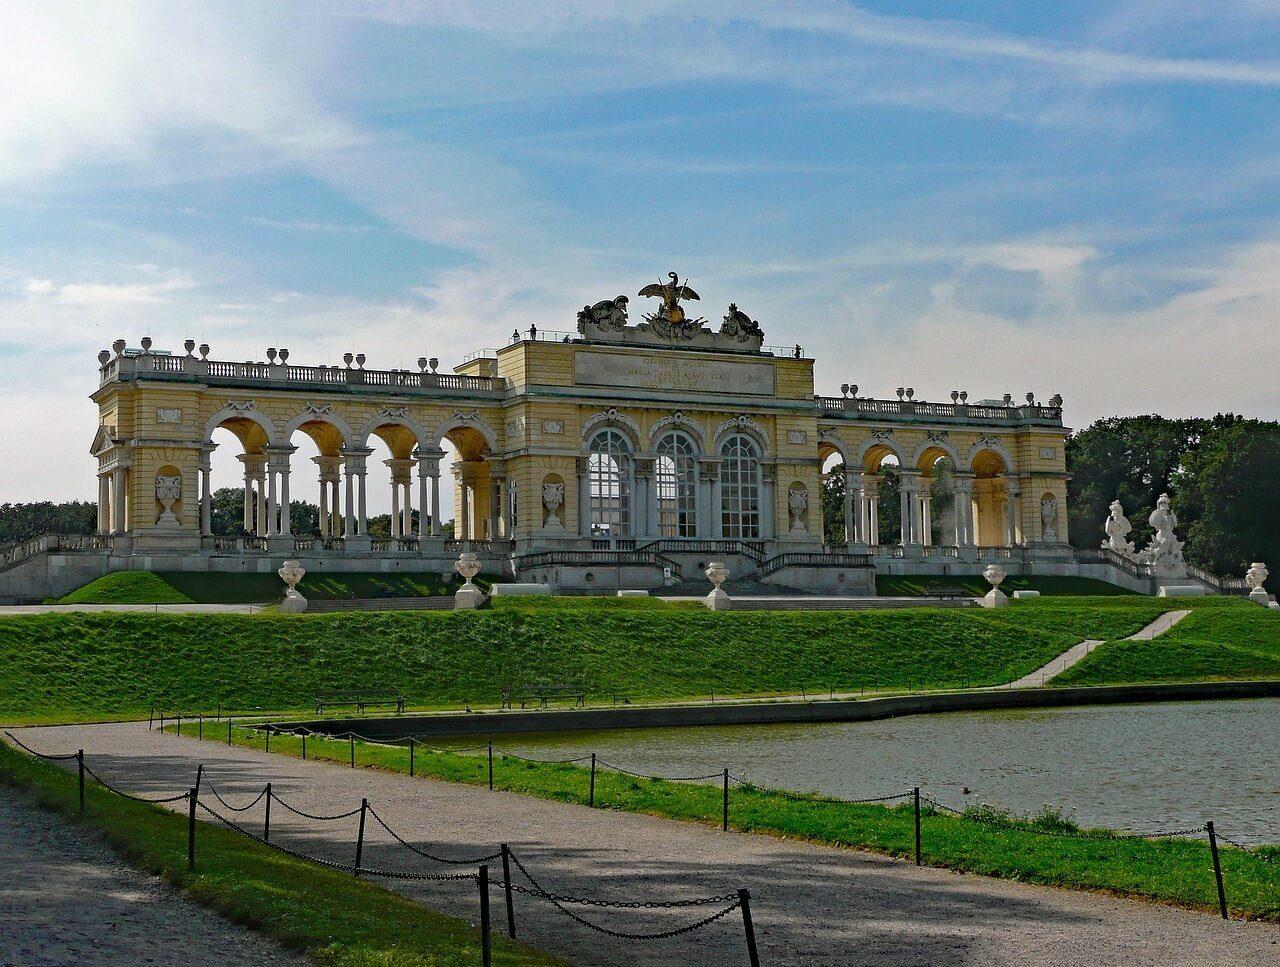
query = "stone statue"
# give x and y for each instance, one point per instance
(670, 321)
(1049, 518)
(291, 572)
(168, 492)
(1118, 527)
(741, 326)
(552, 499)
(797, 503)
(1164, 553)
(611, 314)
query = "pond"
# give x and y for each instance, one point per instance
(1141, 768)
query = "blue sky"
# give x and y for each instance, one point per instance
(1077, 198)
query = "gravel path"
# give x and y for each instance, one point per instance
(812, 905)
(66, 898)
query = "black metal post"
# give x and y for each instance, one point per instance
(744, 900)
(364, 808)
(219, 710)
(151, 717)
(1217, 869)
(228, 731)
(191, 829)
(199, 776)
(162, 721)
(506, 884)
(491, 767)
(916, 796)
(200, 733)
(304, 746)
(486, 952)
(80, 769)
(266, 823)
(411, 756)
(591, 801)
(267, 730)
(353, 749)
(179, 724)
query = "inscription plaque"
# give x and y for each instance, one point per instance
(679, 373)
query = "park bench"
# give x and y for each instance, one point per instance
(543, 694)
(360, 699)
(949, 593)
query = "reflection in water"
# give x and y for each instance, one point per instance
(1135, 767)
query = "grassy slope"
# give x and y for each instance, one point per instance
(179, 587)
(914, 586)
(1171, 870)
(59, 667)
(331, 916)
(1222, 638)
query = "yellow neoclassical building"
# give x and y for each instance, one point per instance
(621, 454)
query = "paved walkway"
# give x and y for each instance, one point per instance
(15, 609)
(66, 898)
(812, 904)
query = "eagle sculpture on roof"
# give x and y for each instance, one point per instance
(670, 321)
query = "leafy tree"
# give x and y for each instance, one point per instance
(1228, 497)
(1134, 458)
(890, 504)
(18, 522)
(833, 506)
(227, 516)
(942, 503)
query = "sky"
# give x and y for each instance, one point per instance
(1077, 198)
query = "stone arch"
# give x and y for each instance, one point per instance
(401, 419)
(741, 426)
(978, 460)
(829, 444)
(611, 418)
(928, 451)
(347, 437)
(241, 421)
(872, 452)
(465, 421)
(679, 422)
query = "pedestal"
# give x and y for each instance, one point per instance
(995, 598)
(718, 600)
(1260, 596)
(467, 597)
(293, 604)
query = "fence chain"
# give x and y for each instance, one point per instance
(126, 795)
(235, 809)
(814, 797)
(1248, 849)
(1110, 834)
(522, 758)
(430, 856)
(299, 812)
(39, 755)
(642, 775)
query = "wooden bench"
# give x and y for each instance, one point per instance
(948, 593)
(360, 699)
(543, 694)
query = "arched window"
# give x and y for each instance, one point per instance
(676, 476)
(609, 484)
(512, 508)
(740, 488)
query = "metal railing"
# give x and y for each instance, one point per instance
(798, 559)
(752, 550)
(598, 558)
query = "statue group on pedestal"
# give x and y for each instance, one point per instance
(1164, 553)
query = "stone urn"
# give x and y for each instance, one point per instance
(291, 572)
(552, 500)
(468, 596)
(995, 598)
(1256, 577)
(717, 573)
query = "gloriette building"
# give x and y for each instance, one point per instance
(622, 454)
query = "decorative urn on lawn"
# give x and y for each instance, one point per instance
(717, 573)
(995, 598)
(1256, 577)
(291, 572)
(468, 596)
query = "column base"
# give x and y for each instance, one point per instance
(358, 544)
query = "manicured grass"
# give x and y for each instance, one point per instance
(1177, 871)
(203, 587)
(1222, 639)
(72, 666)
(332, 917)
(128, 587)
(916, 586)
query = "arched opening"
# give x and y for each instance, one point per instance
(234, 496)
(882, 495)
(479, 481)
(609, 485)
(315, 480)
(995, 501)
(390, 468)
(740, 488)
(676, 479)
(840, 498)
(938, 519)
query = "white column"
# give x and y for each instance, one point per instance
(248, 499)
(324, 507)
(904, 501)
(396, 519)
(119, 521)
(206, 491)
(1011, 505)
(422, 500)
(363, 509)
(926, 519)
(273, 519)
(262, 503)
(349, 501)
(850, 528)
(104, 504)
(286, 508)
(406, 505)
(435, 499)
(768, 505)
(584, 499)
(464, 516)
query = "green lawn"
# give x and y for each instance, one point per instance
(1222, 639)
(916, 586)
(981, 841)
(332, 917)
(73, 666)
(181, 587)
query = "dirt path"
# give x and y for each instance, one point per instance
(813, 905)
(66, 898)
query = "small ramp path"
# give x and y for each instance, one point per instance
(1077, 652)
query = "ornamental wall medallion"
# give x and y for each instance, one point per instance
(797, 436)
(611, 417)
(741, 422)
(553, 426)
(242, 405)
(168, 415)
(318, 409)
(394, 412)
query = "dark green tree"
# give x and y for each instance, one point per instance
(1228, 497)
(942, 503)
(227, 516)
(890, 504)
(18, 522)
(833, 505)
(1134, 458)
